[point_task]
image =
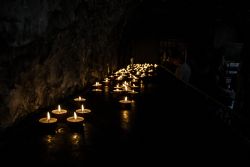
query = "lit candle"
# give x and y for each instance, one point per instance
(126, 88)
(134, 86)
(83, 110)
(117, 90)
(80, 99)
(48, 116)
(119, 78)
(118, 86)
(97, 84)
(48, 119)
(125, 100)
(132, 92)
(59, 111)
(96, 90)
(106, 80)
(75, 118)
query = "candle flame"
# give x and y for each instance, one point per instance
(82, 107)
(75, 115)
(59, 108)
(126, 98)
(80, 97)
(48, 116)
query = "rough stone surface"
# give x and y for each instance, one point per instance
(49, 49)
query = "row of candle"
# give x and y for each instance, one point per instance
(60, 111)
(49, 119)
(132, 72)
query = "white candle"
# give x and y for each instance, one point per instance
(125, 101)
(48, 119)
(97, 84)
(83, 110)
(59, 110)
(75, 118)
(80, 99)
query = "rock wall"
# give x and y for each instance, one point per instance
(51, 48)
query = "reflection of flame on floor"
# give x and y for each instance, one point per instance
(75, 138)
(49, 139)
(60, 131)
(125, 119)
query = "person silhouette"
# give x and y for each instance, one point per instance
(183, 70)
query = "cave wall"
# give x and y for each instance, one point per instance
(50, 48)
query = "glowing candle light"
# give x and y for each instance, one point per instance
(125, 100)
(75, 115)
(106, 80)
(118, 86)
(48, 119)
(48, 116)
(117, 90)
(132, 92)
(79, 99)
(97, 84)
(83, 110)
(59, 110)
(75, 118)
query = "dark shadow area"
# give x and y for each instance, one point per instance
(167, 122)
(192, 36)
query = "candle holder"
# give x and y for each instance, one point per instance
(134, 86)
(118, 86)
(133, 92)
(48, 119)
(96, 90)
(106, 81)
(117, 90)
(79, 99)
(97, 84)
(75, 121)
(48, 123)
(83, 110)
(60, 113)
(125, 100)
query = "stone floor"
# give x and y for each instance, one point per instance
(169, 122)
